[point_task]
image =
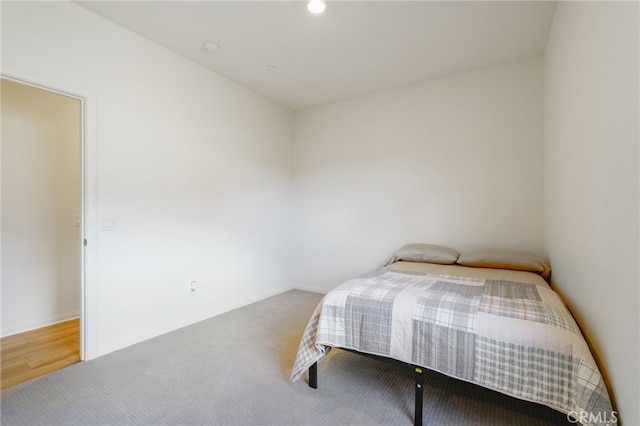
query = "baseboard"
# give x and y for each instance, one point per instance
(311, 289)
(43, 322)
(219, 310)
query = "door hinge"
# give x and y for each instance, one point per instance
(84, 242)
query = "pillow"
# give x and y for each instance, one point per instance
(427, 253)
(505, 259)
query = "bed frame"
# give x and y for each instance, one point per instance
(418, 377)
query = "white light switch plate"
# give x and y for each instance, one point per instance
(107, 223)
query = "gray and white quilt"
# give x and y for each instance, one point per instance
(515, 338)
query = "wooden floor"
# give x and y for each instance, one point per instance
(35, 353)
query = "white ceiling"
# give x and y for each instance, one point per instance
(354, 48)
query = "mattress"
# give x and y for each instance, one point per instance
(502, 329)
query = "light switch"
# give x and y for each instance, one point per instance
(107, 223)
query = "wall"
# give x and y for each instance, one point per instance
(196, 172)
(455, 161)
(591, 181)
(40, 200)
(193, 169)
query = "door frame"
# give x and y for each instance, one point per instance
(87, 196)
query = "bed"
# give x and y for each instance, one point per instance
(483, 316)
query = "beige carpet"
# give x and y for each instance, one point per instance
(234, 370)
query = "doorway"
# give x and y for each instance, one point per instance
(42, 214)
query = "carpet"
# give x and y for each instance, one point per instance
(234, 369)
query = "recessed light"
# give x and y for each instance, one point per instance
(316, 6)
(210, 47)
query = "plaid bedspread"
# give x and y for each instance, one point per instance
(515, 338)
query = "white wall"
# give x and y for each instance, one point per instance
(591, 181)
(197, 173)
(40, 198)
(454, 161)
(194, 169)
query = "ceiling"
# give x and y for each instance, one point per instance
(300, 60)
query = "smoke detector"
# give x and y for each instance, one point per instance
(210, 47)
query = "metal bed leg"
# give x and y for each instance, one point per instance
(419, 379)
(313, 376)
